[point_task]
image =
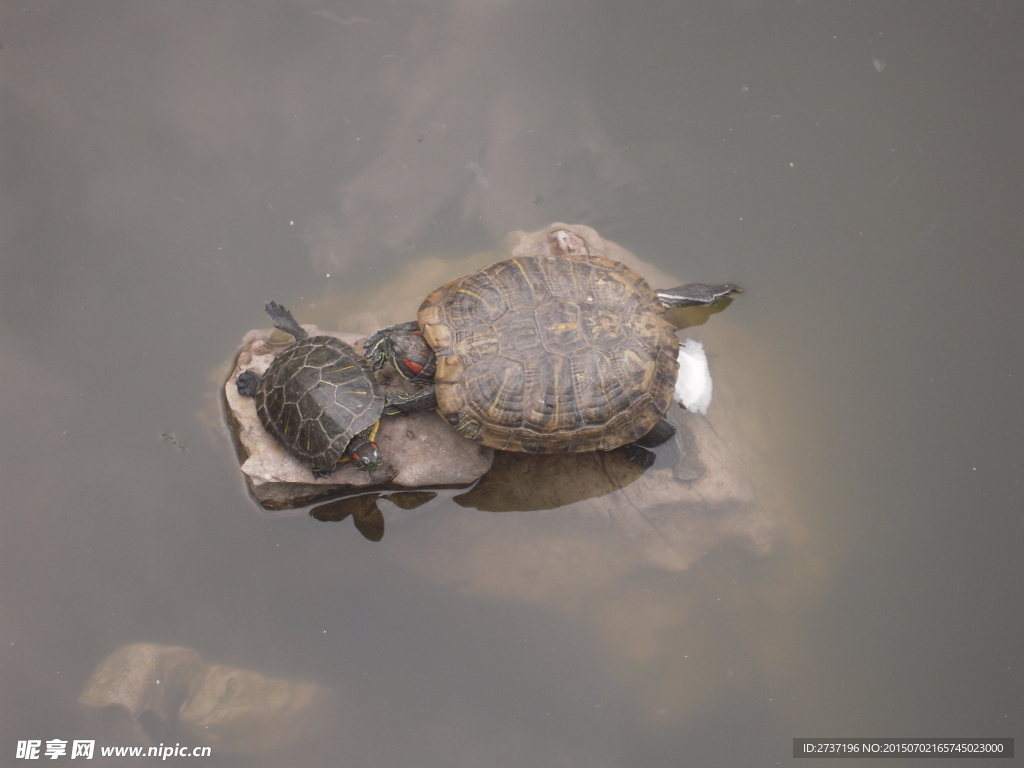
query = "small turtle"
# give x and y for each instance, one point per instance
(545, 354)
(318, 399)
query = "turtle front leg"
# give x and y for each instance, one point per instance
(246, 383)
(696, 294)
(399, 402)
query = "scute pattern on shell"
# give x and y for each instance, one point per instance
(551, 354)
(315, 397)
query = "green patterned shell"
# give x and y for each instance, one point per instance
(551, 354)
(315, 397)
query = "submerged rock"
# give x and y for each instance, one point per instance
(234, 710)
(699, 493)
(143, 694)
(133, 696)
(420, 450)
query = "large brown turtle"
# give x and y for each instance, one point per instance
(318, 400)
(545, 354)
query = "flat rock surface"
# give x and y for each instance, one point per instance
(420, 450)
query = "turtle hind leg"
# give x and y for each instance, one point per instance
(660, 433)
(283, 319)
(696, 294)
(678, 450)
(639, 451)
(246, 383)
(642, 457)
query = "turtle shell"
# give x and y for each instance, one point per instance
(315, 397)
(551, 354)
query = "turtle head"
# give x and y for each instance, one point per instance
(365, 455)
(406, 349)
(413, 357)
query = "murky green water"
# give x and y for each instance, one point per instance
(165, 169)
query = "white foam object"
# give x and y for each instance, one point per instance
(693, 385)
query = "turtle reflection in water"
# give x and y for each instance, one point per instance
(318, 400)
(364, 511)
(546, 354)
